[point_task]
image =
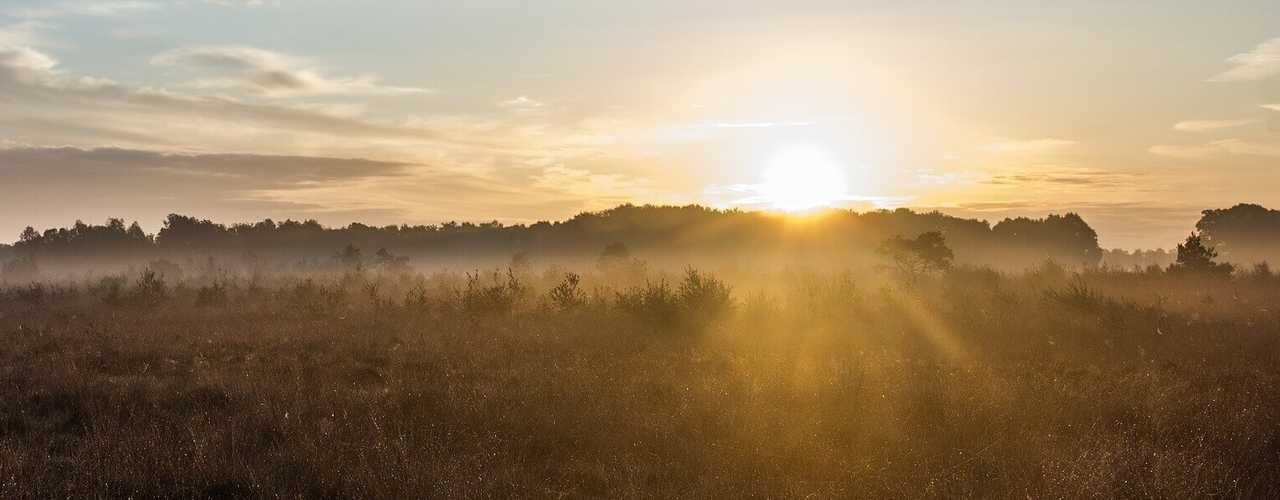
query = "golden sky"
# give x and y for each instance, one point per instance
(1135, 114)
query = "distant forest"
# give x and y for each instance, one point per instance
(1244, 233)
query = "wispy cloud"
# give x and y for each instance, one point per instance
(1258, 64)
(757, 124)
(1225, 146)
(1042, 145)
(1184, 151)
(269, 73)
(1065, 177)
(1210, 125)
(84, 8)
(521, 103)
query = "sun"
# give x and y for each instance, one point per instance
(800, 178)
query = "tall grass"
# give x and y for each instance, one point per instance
(512, 383)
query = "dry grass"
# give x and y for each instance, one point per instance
(973, 384)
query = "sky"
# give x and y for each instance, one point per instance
(1137, 115)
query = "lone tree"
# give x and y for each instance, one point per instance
(923, 254)
(1195, 257)
(350, 257)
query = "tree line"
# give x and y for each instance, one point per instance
(1067, 239)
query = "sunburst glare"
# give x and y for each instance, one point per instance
(799, 178)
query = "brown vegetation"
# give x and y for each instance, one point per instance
(382, 383)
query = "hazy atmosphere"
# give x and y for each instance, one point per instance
(651, 249)
(1137, 115)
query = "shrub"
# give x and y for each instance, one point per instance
(417, 297)
(654, 303)
(497, 298)
(703, 298)
(32, 293)
(1076, 293)
(315, 298)
(150, 289)
(213, 294)
(391, 263)
(567, 294)
(167, 269)
(109, 290)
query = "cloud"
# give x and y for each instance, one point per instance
(139, 151)
(757, 124)
(256, 170)
(603, 189)
(236, 3)
(1258, 64)
(1185, 152)
(522, 102)
(1029, 146)
(1243, 147)
(84, 8)
(268, 73)
(25, 33)
(97, 183)
(26, 60)
(1223, 146)
(1065, 177)
(1210, 125)
(19, 60)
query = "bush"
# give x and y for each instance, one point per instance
(500, 297)
(700, 300)
(32, 293)
(703, 298)
(109, 290)
(654, 303)
(1077, 293)
(150, 289)
(567, 294)
(315, 298)
(213, 294)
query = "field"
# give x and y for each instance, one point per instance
(635, 383)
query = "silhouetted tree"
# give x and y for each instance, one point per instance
(923, 254)
(390, 262)
(671, 230)
(1242, 234)
(614, 251)
(1196, 257)
(350, 257)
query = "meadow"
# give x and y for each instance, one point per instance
(622, 382)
